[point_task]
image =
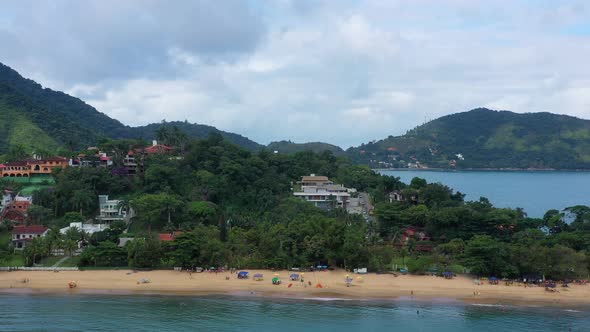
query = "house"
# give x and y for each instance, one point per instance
(322, 192)
(21, 235)
(5, 200)
(26, 168)
(133, 161)
(314, 180)
(15, 209)
(414, 232)
(110, 210)
(86, 228)
(167, 237)
(396, 196)
(100, 159)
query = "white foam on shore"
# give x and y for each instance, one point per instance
(488, 305)
(571, 310)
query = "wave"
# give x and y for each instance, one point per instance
(326, 299)
(488, 305)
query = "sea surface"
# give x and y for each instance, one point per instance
(534, 191)
(26, 312)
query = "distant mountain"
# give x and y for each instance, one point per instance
(196, 131)
(484, 138)
(38, 117)
(288, 147)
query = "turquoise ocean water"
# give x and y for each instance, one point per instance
(23, 312)
(535, 192)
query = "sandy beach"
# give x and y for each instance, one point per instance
(370, 286)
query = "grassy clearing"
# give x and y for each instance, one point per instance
(4, 239)
(71, 262)
(49, 261)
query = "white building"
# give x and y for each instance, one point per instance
(322, 192)
(21, 235)
(87, 228)
(110, 210)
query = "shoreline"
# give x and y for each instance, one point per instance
(370, 287)
(523, 170)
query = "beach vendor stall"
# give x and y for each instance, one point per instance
(243, 275)
(258, 277)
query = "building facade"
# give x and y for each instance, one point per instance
(110, 210)
(21, 235)
(322, 192)
(29, 167)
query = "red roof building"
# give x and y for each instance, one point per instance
(167, 237)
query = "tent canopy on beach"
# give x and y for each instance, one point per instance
(258, 276)
(243, 274)
(294, 276)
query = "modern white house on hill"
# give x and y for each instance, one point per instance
(110, 210)
(322, 192)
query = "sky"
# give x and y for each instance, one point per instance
(339, 71)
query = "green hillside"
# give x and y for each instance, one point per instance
(17, 130)
(195, 131)
(288, 147)
(60, 119)
(486, 139)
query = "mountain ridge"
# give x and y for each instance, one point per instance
(485, 138)
(71, 122)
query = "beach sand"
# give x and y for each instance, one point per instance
(370, 286)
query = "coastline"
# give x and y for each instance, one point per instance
(370, 287)
(548, 170)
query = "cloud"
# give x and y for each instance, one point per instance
(345, 72)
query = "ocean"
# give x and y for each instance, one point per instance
(26, 312)
(534, 191)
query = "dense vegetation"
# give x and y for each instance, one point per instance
(487, 139)
(289, 147)
(70, 122)
(234, 208)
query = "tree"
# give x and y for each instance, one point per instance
(202, 212)
(487, 257)
(144, 252)
(36, 213)
(36, 248)
(152, 209)
(82, 199)
(106, 254)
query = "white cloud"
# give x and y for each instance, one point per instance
(345, 72)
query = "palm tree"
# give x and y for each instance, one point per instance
(125, 205)
(70, 246)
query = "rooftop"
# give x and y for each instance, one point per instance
(166, 237)
(33, 229)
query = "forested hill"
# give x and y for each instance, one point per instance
(288, 147)
(484, 138)
(56, 118)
